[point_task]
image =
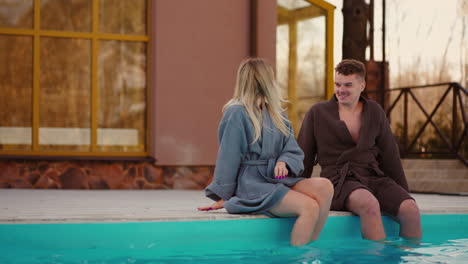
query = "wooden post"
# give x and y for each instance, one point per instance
(455, 93)
(405, 124)
(292, 70)
(253, 28)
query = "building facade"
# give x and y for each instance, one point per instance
(111, 94)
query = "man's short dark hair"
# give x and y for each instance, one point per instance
(348, 67)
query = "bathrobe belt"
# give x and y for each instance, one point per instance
(270, 163)
(348, 168)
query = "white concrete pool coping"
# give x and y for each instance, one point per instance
(21, 206)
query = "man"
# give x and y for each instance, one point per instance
(349, 136)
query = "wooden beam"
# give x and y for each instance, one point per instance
(329, 89)
(94, 77)
(322, 3)
(253, 28)
(283, 15)
(292, 72)
(309, 12)
(36, 64)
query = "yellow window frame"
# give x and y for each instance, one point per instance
(94, 36)
(284, 17)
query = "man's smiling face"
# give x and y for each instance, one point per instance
(348, 88)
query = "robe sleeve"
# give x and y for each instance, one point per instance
(307, 143)
(292, 154)
(232, 148)
(389, 159)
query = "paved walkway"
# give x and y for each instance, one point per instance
(75, 206)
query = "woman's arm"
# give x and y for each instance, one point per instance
(232, 148)
(217, 205)
(291, 155)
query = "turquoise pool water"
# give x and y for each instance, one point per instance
(232, 241)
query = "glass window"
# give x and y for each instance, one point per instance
(293, 4)
(66, 15)
(282, 57)
(303, 54)
(123, 16)
(16, 14)
(68, 89)
(311, 64)
(122, 96)
(16, 83)
(65, 94)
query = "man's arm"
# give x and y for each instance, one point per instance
(307, 143)
(389, 160)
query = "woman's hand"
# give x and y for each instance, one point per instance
(281, 171)
(218, 205)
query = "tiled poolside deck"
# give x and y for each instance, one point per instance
(75, 206)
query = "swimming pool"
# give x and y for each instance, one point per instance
(229, 241)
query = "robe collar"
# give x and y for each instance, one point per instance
(364, 119)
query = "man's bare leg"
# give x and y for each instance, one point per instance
(364, 204)
(410, 220)
(321, 190)
(307, 211)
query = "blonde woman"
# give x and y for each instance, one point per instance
(259, 161)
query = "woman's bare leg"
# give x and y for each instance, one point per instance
(321, 190)
(307, 211)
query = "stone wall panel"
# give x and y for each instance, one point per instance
(101, 175)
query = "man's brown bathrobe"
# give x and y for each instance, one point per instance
(373, 163)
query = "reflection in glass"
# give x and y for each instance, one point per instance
(15, 92)
(293, 4)
(301, 55)
(17, 13)
(123, 17)
(282, 57)
(122, 96)
(65, 94)
(311, 63)
(66, 15)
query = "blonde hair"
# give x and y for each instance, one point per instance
(256, 89)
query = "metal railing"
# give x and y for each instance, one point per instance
(452, 144)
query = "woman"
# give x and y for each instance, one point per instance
(259, 162)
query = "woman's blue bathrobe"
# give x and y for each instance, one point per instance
(244, 173)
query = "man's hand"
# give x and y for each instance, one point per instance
(218, 205)
(281, 171)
